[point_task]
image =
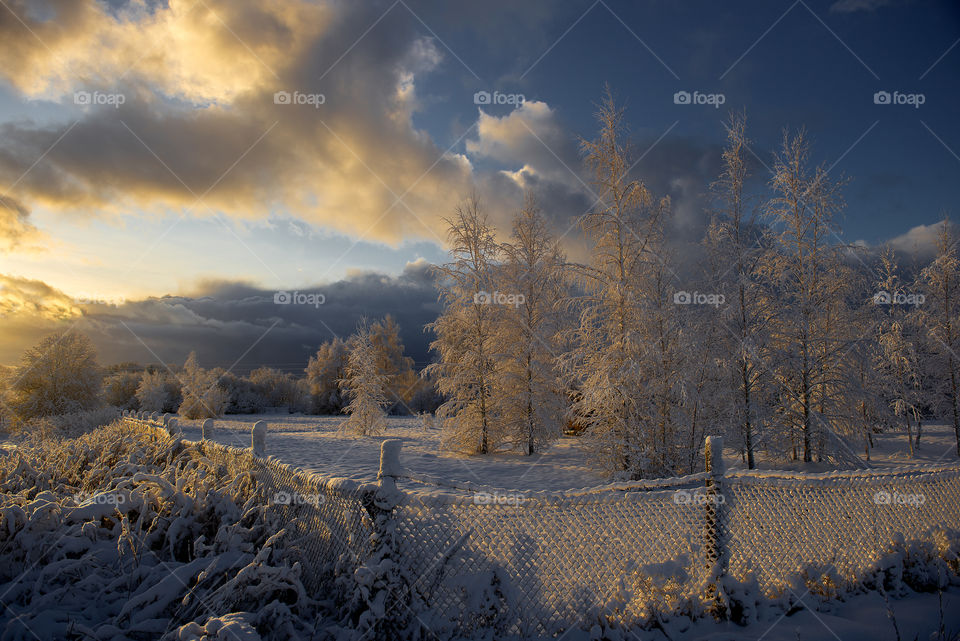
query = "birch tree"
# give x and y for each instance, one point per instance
(466, 333)
(735, 243)
(528, 392)
(365, 385)
(606, 364)
(896, 357)
(808, 340)
(57, 376)
(324, 371)
(941, 316)
(402, 381)
(202, 397)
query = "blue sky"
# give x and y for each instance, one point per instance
(199, 176)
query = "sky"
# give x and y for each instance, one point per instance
(169, 169)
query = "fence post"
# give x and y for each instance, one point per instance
(259, 434)
(390, 467)
(715, 525)
(387, 585)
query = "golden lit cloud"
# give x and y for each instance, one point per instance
(201, 52)
(35, 300)
(181, 115)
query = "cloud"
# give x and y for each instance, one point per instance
(15, 228)
(22, 297)
(224, 321)
(531, 136)
(919, 241)
(198, 129)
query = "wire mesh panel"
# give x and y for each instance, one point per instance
(532, 564)
(325, 520)
(778, 524)
(539, 563)
(326, 524)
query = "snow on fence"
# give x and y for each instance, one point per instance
(542, 562)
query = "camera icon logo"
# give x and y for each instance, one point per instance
(681, 98)
(882, 298)
(682, 298)
(482, 98)
(281, 498)
(282, 298)
(81, 98)
(881, 98)
(482, 298)
(882, 498)
(281, 98)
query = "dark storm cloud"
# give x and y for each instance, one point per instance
(229, 322)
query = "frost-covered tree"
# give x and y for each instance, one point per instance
(466, 333)
(736, 249)
(813, 331)
(59, 375)
(202, 397)
(624, 342)
(242, 395)
(941, 316)
(896, 365)
(402, 380)
(324, 372)
(157, 393)
(529, 395)
(276, 388)
(365, 385)
(120, 389)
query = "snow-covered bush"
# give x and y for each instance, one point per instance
(158, 392)
(277, 389)
(72, 424)
(120, 390)
(58, 376)
(242, 397)
(118, 535)
(202, 396)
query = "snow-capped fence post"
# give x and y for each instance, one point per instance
(389, 465)
(259, 435)
(715, 527)
(384, 588)
(173, 427)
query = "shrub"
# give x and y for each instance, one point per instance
(59, 375)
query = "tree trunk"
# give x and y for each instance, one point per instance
(748, 427)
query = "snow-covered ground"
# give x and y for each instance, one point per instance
(861, 618)
(315, 443)
(90, 588)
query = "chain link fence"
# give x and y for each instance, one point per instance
(538, 563)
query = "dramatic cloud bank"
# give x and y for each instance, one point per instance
(227, 323)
